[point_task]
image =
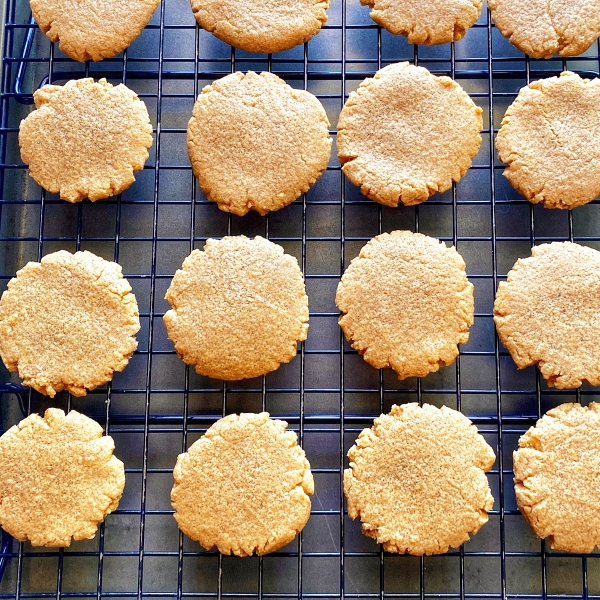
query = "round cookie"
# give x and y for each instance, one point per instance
(257, 26)
(417, 480)
(256, 143)
(68, 323)
(86, 139)
(550, 141)
(557, 467)
(93, 29)
(243, 487)
(548, 313)
(426, 21)
(406, 134)
(406, 303)
(58, 478)
(239, 308)
(542, 27)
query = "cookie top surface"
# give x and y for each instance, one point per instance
(239, 308)
(417, 479)
(550, 141)
(406, 134)
(261, 26)
(541, 28)
(93, 29)
(256, 143)
(58, 478)
(243, 487)
(557, 467)
(406, 303)
(86, 139)
(68, 323)
(548, 313)
(426, 21)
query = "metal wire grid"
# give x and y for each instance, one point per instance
(327, 393)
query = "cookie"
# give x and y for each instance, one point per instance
(244, 487)
(406, 134)
(417, 480)
(239, 308)
(548, 313)
(556, 470)
(261, 26)
(58, 478)
(256, 143)
(426, 22)
(68, 323)
(86, 139)
(93, 29)
(542, 27)
(550, 141)
(406, 303)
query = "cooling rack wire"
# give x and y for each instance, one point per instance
(157, 407)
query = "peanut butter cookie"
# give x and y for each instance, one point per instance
(257, 26)
(93, 29)
(406, 303)
(68, 323)
(244, 487)
(86, 139)
(58, 478)
(549, 141)
(426, 21)
(548, 313)
(557, 467)
(406, 134)
(542, 27)
(239, 308)
(256, 143)
(417, 480)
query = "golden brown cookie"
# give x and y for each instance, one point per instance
(406, 303)
(58, 478)
(542, 27)
(257, 26)
(548, 313)
(239, 308)
(93, 29)
(256, 143)
(244, 487)
(86, 139)
(417, 479)
(426, 21)
(406, 134)
(550, 141)
(68, 323)
(557, 469)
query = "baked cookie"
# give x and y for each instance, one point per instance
(86, 139)
(542, 27)
(426, 21)
(93, 29)
(244, 487)
(406, 303)
(550, 141)
(557, 467)
(58, 478)
(261, 26)
(256, 143)
(406, 134)
(417, 480)
(68, 323)
(548, 313)
(239, 308)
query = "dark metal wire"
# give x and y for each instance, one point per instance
(493, 70)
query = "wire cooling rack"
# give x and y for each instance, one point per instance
(157, 407)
